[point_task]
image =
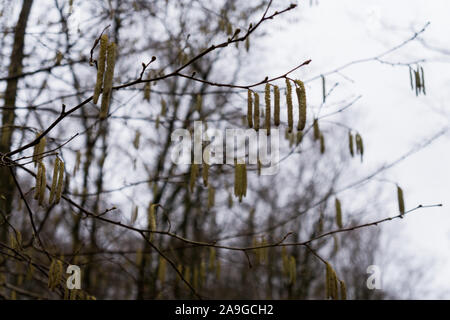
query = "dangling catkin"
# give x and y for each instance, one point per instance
(59, 185)
(134, 214)
(418, 85)
(101, 67)
(316, 129)
(136, 140)
(256, 112)
(322, 144)
(350, 144)
(267, 100)
(38, 181)
(162, 270)
(249, 108)
(359, 145)
(331, 283)
(193, 177)
(152, 219)
(41, 183)
(301, 97)
(54, 181)
(163, 107)
(276, 93)
(292, 270)
(205, 174)
(337, 205)
(212, 258)
(109, 77)
(198, 103)
(401, 201)
(147, 91)
(39, 149)
(289, 105)
(240, 181)
(299, 137)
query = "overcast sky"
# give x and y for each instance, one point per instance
(390, 117)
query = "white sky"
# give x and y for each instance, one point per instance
(390, 117)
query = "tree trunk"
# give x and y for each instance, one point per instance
(8, 115)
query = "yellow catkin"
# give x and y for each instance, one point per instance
(337, 204)
(401, 201)
(195, 278)
(322, 144)
(299, 137)
(211, 197)
(163, 107)
(247, 43)
(249, 108)
(77, 162)
(109, 77)
(240, 181)
(350, 144)
(134, 214)
(359, 145)
(343, 290)
(55, 274)
(100, 67)
(205, 170)
(301, 97)
(198, 103)
(193, 176)
(54, 180)
(152, 219)
(328, 287)
(43, 184)
(267, 100)
(137, 138)
(42, 144)
(256, 112)
(212, 258)
(39, 149)
(230, 201)
(289, 105)
(276, 94)
(335, 286)
(316, 129)
(59, 186)
(162, 270)
(38, 182)
(292, 270)
(139, 257)
(331, 283)
(259, 167)
(147, 91)
(423, 81)
(418, 84)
